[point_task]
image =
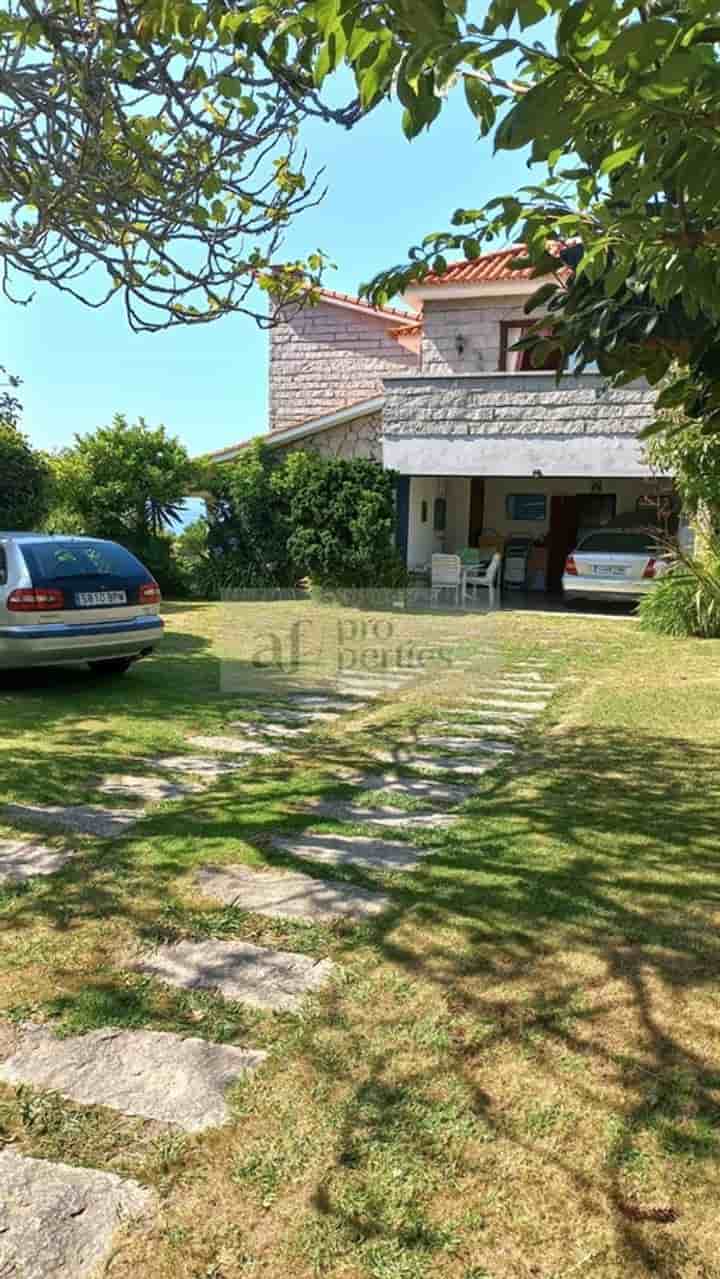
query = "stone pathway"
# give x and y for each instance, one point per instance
(200, 765)
(267, 979)
(151, 790)
(232, 745)
(353, 850)
(22, 859)
(289, 895)
(382, 815)
(290, 716)
(59, 1222)
(505, 704)
(326, 702)
(81, 819)
(463, 743)
(283, 731)
(139, 1072)
(468, 766)
(416, 788)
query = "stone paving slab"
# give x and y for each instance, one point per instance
(266, 979)
(288, 895)
(362, 691)
(59, 1222)
(81, 819)
(469, 727)
(507, 704)
(200, 765)
(484, 713)
(353, 850)
(151, 790)
(22, 859)
(282, 731)
(232, 745)
(382, 815)
(154, 1074)
(289, 716)
(416, 788)
(453, 743)
(327, 703)
(462, 765)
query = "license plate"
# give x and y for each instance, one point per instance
(609, 570)
(96, 599)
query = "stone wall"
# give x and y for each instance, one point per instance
(328, 357)
(514, 404)
(359, 438)
(477, 321)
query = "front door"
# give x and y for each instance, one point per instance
(564, 514)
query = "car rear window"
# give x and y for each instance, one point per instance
(49, 561)
(619, 543)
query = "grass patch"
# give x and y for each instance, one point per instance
(516, 1073)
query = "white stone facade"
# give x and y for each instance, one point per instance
(327, 357)
(476, 323)
(360, 438)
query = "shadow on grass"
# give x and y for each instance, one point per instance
(605, 847)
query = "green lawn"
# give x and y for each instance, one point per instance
(517, 1072)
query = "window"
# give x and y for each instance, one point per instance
(520, 361)
(439, 515)
(3, 567)
(611, 543)
(526, 506)
(423, 512)
(52, 561)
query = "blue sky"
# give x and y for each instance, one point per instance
(208, 385)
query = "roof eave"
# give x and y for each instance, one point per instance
(418, 294)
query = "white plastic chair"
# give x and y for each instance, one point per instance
(489, 577)
(446, 575)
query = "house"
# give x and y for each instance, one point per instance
(485, 445)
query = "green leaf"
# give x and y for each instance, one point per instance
(481, 102)
(618, 158)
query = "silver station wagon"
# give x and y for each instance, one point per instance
(74, 599)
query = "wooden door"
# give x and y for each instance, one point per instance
(562, 536)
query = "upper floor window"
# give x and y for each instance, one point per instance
(440, 515)
(520, 361)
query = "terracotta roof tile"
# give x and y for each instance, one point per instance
(392, 312)
(489, 268)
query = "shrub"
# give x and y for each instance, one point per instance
(685, 603)
(24, 481)
(341, 516)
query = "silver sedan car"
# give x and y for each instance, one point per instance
(74, 599)
(613, 564)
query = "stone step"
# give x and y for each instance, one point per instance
(232, 745)
(382, 815)
(458, 764)
(288, 895)
(151, 790)
(282, 731)
(470, 728)
(416, 788)
(247, 974)
(506, 704)
(60, 1222)
(22, 859)
(327, 703)
(80, 819)
(352, 850)
(483, 713)
(200, 765)
(155, 1074)
(473, 743)
(289, 716)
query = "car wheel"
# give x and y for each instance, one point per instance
(111, 666)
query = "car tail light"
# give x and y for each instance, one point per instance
(35, 600)
(571, 566)
(650, 568)
(150, 593)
